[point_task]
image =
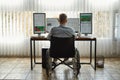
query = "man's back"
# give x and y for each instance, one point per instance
(62, 31)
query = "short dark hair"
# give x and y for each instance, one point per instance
(62, 17)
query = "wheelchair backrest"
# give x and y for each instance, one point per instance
(62, 47)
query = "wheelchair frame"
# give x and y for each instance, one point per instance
(75, 63)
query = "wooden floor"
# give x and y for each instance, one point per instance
(19, 69)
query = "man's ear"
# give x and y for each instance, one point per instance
(66, 20)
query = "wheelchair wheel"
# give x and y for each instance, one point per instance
(48, 65)
(75, 67)
(78, 68)
(78, 63)
(48, 70)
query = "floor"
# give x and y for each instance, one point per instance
(19, 69)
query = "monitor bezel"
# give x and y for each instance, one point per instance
(34, 23)
(91, 23)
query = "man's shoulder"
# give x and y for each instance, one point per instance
(54, 28)
(70, 28)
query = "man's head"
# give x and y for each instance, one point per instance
(62, 18)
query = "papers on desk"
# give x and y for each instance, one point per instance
(86, 36)
(43, 35)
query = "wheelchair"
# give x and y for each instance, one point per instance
(62, 48)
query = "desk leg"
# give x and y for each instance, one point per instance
(34, 53)
(31, 54)
(90, 52)
(95, 53)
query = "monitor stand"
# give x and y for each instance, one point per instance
(39, 34)
(86, 34)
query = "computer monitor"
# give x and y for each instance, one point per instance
(51, 22)
(39, 23)
(86, 23)
(71, 22)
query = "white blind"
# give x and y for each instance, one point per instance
(16, 21)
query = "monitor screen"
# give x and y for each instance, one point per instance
(39, 23)
(51, 22)
(86, 23)
(71, 22)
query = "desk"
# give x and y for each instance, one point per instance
(32, 48)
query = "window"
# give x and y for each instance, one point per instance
(117, 25)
